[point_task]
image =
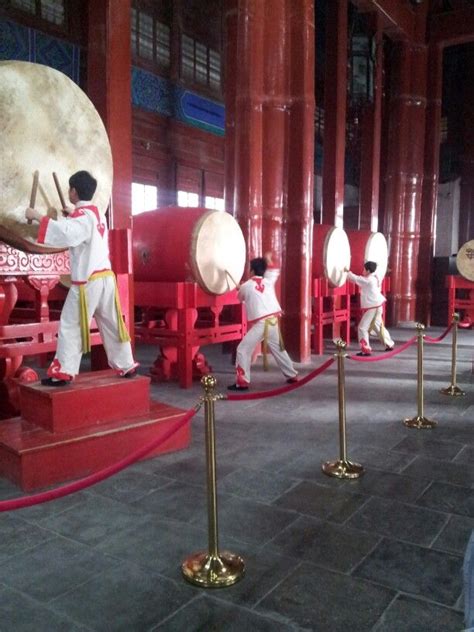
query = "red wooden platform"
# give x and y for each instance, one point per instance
(70, 432)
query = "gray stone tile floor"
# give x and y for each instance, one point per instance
(382, 553)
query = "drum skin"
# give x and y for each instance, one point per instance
(48, 125)
(465, 260)
(174, 244)
(331, 254)
(368, 246)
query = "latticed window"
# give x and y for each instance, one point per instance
(150, 38)
(199, 63)
(50, 10)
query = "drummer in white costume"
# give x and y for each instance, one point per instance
(263, 311)
(371, 302)
(93, 292)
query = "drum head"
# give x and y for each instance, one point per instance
(376, 250)
(336, 256)
(48, 124)
(465, 260)
(217, 252)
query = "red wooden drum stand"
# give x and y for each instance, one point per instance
(180, 317)
(460, 298)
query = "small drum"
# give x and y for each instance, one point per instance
(331, 254)
(368, 246)
(189, 244)
(465, 260)
(48, 125)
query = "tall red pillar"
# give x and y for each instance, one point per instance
(466, 210)
(298, 216)
(275, 125)
(109, 88)
(430, 180)
(370, 142)
(405, 176)
(229, 74)
(335, 97)
(248, 123)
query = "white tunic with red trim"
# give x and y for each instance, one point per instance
(370, 294)
(85, 233)
(258, 294)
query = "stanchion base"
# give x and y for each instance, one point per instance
(420, 422)
(211, 571)
(453, 391)
(342, 469)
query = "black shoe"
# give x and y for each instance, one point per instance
(130, 374)
(236, 387)
(363, 353)
(390, 348)
(292, 380)
(49, 381)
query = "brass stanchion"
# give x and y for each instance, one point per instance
(343, 468)
(420, 421)
(212, 569)
(453, 389)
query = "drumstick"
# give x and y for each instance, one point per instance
(58, 189)
(34, 189)
(231, 278)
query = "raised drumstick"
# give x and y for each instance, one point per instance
(58, 189)
(34, 190)
(231, 278)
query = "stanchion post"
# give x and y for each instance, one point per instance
(453, 389)
(212, 569)
(342, 468)
(420, 421)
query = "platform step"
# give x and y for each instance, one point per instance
(33, 457)
(93, 398)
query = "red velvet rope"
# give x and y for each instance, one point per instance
(442, 337)
(283, 389)
(384, 356)
(59, 492)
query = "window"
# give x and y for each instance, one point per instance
(144, 198)
(214, 202)
(200, 64)
(50, 10)
(150, 38)
(188, 199)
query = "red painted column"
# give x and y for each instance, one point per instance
(275, 125)
(405, 176)
(371, 138)
(109, 88)
(429, 199)
(335, 96)
(466, 210)
(298, 216)
(230, 67)
(248, 124)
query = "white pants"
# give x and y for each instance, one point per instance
(372, 322)
(100, 295)
(251, 339)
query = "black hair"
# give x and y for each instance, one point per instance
(370, 266)
(259, 265)
(84, 184)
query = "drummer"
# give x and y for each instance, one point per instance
(93, 292)
(263, 312)
(371, 302)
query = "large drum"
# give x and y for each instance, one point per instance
(465, 260)
(331, 254)
(368, 246)
(188, 244)
(48, 125)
